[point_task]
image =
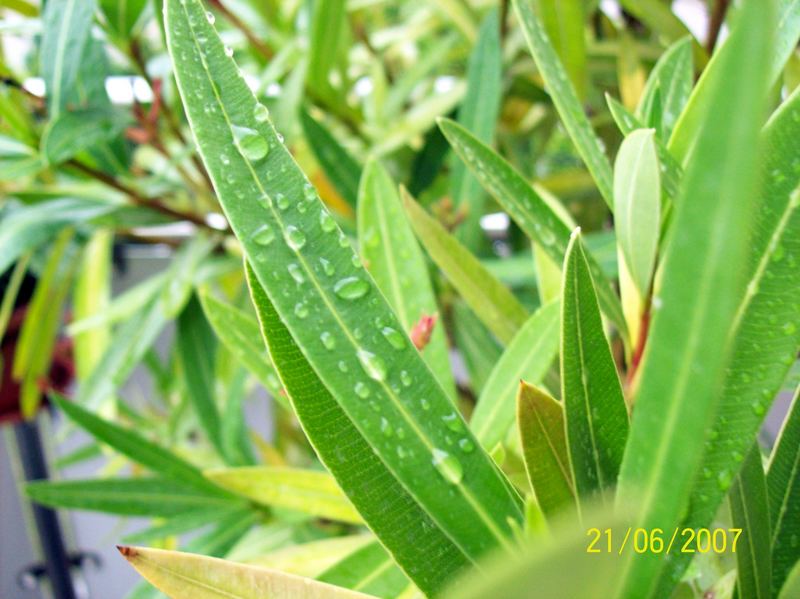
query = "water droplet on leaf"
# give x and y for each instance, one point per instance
(351, 288)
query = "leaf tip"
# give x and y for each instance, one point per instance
(128, 552)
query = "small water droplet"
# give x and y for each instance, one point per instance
(448, 466)
(282, 201)
(453, 422)
(425, 404)
(343, 366)
(300, 310)
(395, 339)
(405, 378)
(386, 428)
(351, 288)
(343, 242)
(296, 272)
(401, 433)
(265, 201)
(250, 143)
(260, 113)
(210, 17)
(361, 390)
(373, 365)
(326, 221)
(263, 235)
(228, 51)
(295, 238)
(308, 192)
(401, 452)
(789, 328)
(758, 408)
(327, 340)
(466, 445)
(724, 480)
(327, 267)
(223, 158)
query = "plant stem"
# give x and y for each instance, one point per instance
(715, 24)
(234, 20)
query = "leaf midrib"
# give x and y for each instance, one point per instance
(491, 525)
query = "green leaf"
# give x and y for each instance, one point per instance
(750, 513)
(637, 205)
(433, 558)
(659, 17)
(478, 113)
(528, 209)
(73, 132)
(306, 491)
(491, 301)
(66, 30)
(689, 340)
(288, 239)
(28, 227)
(397, 264)
(791, 587)
(125, 496)
(594, 407)
(240, 333)
(672, 172)
(122, 15)
(693, 120)
(544, 447)
(182, 523)
(337, 163)
(477, 345)
(767, 321)
(528, 357)
(564, 22)
(313, 558)
(190, 576)
(131, 444)
(783, 486)
(92, 295)
(327, 40)
(17, 159)
(370, 570)
(196, 344)
(566, 100)
(672, 79)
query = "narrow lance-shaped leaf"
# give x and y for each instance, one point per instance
(767, 329)
(672, 79)
(307, 491)
(126, 496)
(131, 444)
(318, 286)
(477, 345)
(348, 456)
(368, 570)
(783, 487)
(395, 261)
(314, 557)
(750, 512)
(565, 21)
(528, 209)
(637, 205)
(92, 295)
(240, 333)
(791, 588)
(491, 301)
(528, 357)
(688, 344)
(190, 576)
(544, 447)
(594, 407)
(478, 113)
(566, 100)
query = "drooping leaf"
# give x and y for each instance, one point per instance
(67, 26)
(240, 333)
(370, 570)
(125, 496)
(18, 159)
(311, 492)
(73, 132)
(528, 209)
(672, 79)
(594, 407)
(544, 447)
(566, 100)
(92, 295)
(190, 576)
(528, 357)
(345, 452)
(478, 113)
(637, 205)
(767, 321)
(783, 486)
(491, 301)
(395, 261)
(133, 445)
(688, 343)
(184, 522)
(750, 512)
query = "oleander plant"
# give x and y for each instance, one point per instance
(519, 282)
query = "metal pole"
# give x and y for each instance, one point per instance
(34, 467)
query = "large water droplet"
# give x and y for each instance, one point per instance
(295, 238)
(351, 288)
(395, 339)
(327, 340)
(453, 422)
(263, 235)
(373, 365)
(361, 390)
(260, 113)
(448, 466)
(250, 143)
